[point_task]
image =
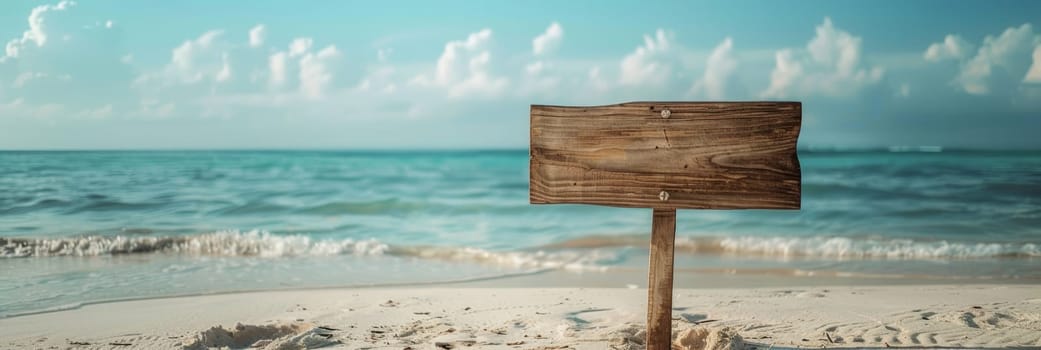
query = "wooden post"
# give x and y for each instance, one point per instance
(659, 281)
(667, 156)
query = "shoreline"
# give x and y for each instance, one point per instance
(390, 285)
(621, 278)
(943, 315)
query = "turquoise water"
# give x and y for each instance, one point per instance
(79, 227)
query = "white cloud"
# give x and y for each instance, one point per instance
(596, 80)
(463, 68)
(36, 33)
(548, 40)
(225, 72)
(786, 71)
(211, 76)
(643, 66)
(952, 47)
(18, 107)
(9, 107)
(25, 77)
(58, 64)
(196, 59)
(1010, 51)
(535, 68)
(212, 58)
(830, 65)
(379, 78)
(540, 80)
(448, 63)
(314, 72)
(109, 24)
(257, 35)
(299, 46)
(718, 70)
(277, 67)
(1034, 73)
(537, 80)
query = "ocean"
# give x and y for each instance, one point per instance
(89, 226)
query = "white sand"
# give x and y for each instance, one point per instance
(536, 318)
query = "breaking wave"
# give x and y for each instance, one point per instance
(820, 246)
(263, 244)
(848, 248)
(590, 252)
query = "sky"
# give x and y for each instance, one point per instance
(196, 74)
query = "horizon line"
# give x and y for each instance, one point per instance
(810, 149)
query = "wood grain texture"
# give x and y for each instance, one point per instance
(659, 280)
(706, 155)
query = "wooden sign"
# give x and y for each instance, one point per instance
(667, 156)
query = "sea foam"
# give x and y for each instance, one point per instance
(580, 253)
(259, 243)
(850, 248)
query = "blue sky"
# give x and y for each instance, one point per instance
(452, 74)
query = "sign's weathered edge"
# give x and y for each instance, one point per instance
(702, 155)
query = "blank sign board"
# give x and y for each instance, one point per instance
(678, 155)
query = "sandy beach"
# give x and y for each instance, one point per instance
(529, 175)
(977, 316)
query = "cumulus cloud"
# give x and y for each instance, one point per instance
(315, 73)
(210, 64)
(548, 40)
(381, 78)
(829, 65)
(786, 71)
(535, 68)
(37, 32)
(1034, 73)
(225, 72)
(463, 68)
(644, 66)
(541, 80)
(198, 59)
(25, 78)
(719, 68)
(952, 47)
(18, 107)
(257, 35)
(297, 80)
(543, 45)
(595, 79)
(1003, 59)
(45, 64)
(277, 68)
(299, 46)
(215, 75)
